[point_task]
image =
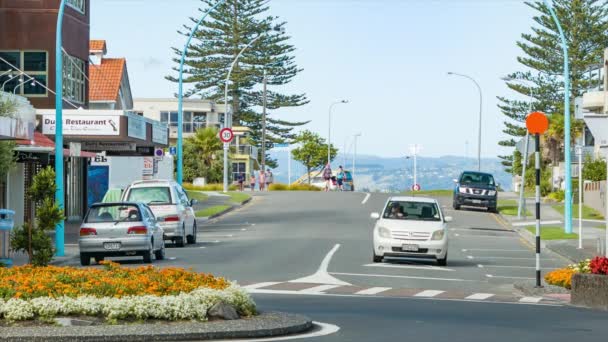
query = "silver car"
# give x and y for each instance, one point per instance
(120, 229)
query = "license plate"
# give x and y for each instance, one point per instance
(111, 246)
(409, 248)
(477, 201)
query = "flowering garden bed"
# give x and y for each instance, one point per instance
(588, 281)
(115, 293)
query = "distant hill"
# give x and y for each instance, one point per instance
(389, 174)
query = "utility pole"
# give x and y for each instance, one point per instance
(264, 126)
(355, 155)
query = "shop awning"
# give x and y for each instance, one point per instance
(42, 144)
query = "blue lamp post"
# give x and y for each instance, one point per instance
(59, 229)
(567, 157)
(180, 97)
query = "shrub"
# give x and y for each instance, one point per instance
(208, 187)
(557, 195)
(293, 187)
(278, 187)
(599, 265)
(581, 267)
(560, 277)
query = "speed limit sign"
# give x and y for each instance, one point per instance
(416, 187)
(226, 135)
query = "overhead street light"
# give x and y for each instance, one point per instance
(480, 114)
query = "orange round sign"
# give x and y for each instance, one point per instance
(537, 123)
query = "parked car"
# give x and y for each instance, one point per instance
(170, 203)
(475, 189)
(411, 227)
(120, 229)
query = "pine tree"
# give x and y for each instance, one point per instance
(229, 28)
(585, 23)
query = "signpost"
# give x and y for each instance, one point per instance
(159, 153)
(579, 153)
(172, 150)
(226, 136)
(416, 187)
(537, 124)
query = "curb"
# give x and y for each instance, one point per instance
(234, 207)
(269, 324)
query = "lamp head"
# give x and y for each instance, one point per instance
(344, 101)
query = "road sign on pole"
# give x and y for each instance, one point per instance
(537, 124)
(226, 135)
(416, 187)
(159, 153)
(172, 150)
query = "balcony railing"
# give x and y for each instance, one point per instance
(188, 128)
(245, 150)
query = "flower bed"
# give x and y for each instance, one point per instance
(115, 292)
(563, 276)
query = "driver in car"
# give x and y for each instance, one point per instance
(396, 211)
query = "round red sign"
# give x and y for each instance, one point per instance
(226, 135)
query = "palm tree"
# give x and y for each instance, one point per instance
(202, 154)
(554, 137)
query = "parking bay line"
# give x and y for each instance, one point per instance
(507, 277)
(464, 250)
(511, 266)
(404, 277)
(415, 267)
(470, 257)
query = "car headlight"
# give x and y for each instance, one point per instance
(491, 193)
(384, 232)
(438, 235)
(462, 190)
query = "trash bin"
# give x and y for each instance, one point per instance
(6, 225)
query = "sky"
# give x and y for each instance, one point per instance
(388, 58)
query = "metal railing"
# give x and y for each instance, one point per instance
(245, 150)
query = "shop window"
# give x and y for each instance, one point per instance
(73, 79)
(33, 80)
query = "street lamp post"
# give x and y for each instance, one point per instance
(354, 155)
(567, 156)
(59, 192)
(180, 97)
(480, 114)
(329, 129)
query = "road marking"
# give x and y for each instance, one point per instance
(487, 236)
(372, 290)
(402, 277)
(500, 222)
(415, 267)
(172, 258)
(260, 285)
(523, 224)
(510, 266)
(323, 329)
(494, 250)
(367, 196)
(428, 293)
(322, 276)
(470, 257)
(217, 236)
(505, 258)
(319, 289)
(479, 296)
(506, 277)
(530, 299)
(229, 225)
(202, 247)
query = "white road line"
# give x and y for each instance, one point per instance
(507, 277)
(322, 276)
(319, 289)
(530, 299)
(470, 257)
(260, 285)
(216, 236)
(372, 290)
(428, 293)
(367, 196)
(488, 236)
(402, 277)
(511, 266)
(495, 250)
(414, 267)
(172, 258)
(479, 296)
(505, 258)
(324, 330)
(523, 224)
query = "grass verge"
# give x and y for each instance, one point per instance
(442, 193)
(199, 196)
(509, 207)
(237, 197)
(552, 233)
(211, 211)
(588, 212)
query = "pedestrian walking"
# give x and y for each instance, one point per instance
(262, 180)
(252, 182)
(327, 176)
(269, 179)
(241, 180)
(340, 178)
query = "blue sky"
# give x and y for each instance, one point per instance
(389, 58)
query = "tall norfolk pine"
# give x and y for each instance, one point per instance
(585, 24)
(229, 28)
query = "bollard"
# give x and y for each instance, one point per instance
(6, 225)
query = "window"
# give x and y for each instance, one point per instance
(78, 5)
(420, 211)
(113, 213)
(192, 120)
(35, 67)
(150, 195)
(238, 168)
(73, 78)
(476, 178)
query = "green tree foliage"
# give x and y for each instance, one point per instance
(594, 170)
(312, 151)
(33, 239)
(7, 156)
(203, 156)
(585, 23)
(517, 163)
(227, 30)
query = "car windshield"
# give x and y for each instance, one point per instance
(150, 195)
(113, 213)
(476, 178)
(411, 210)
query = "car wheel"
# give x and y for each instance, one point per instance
(444, 261)
(180, 241)
(192, 238)
(99, 259)
(160, 254)
(148, 254)
(377, 258)
(455, 206)
(85, 259)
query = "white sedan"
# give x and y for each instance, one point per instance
(411, 227)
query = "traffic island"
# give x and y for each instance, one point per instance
(590, 290)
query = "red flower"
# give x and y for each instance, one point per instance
(599, 265)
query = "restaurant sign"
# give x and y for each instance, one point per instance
(83, 125)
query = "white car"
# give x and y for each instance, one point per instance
(411, 227)
(170, 204)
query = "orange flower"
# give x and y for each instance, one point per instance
(560, 277)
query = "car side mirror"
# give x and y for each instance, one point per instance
(193, 202)
(447, 219)
(455, 180)
(375, 216)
